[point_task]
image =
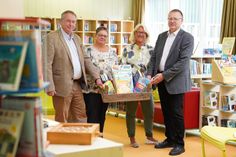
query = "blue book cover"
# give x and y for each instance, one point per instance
(32, 76)
(12, 58)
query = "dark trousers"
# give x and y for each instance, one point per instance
(95, 109)
(172, 109)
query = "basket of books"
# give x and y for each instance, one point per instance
(122, 88)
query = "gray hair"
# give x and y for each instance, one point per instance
(67, 12)
(132, 38)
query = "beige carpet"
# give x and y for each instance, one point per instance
(115, 129)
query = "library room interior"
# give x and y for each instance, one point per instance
(117, 78)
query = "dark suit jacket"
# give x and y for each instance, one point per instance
(176, 72)
(59, 70)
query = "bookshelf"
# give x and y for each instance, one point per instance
(118, 31)
(201, 68)
(27, 30)
(217, 104)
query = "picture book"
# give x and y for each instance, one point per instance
(31, 142)
(123, 80)
(228, 45)
(11, 122)
(12, 58)
(32, 76)
(230, 123)
(228, 102)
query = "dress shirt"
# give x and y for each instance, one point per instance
(169, 41)
(74, 54)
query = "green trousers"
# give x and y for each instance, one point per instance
(147, 109)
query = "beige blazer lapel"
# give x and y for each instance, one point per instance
(65, 45)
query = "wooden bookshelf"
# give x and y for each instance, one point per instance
(118, 31)
(201, 68)
(217, 104)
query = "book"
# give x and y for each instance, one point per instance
(12, 58)
(10, 129)
(230, 123)
(123, 79)
(31, 139)
(32, 76)
(113, 27)
(228, 45)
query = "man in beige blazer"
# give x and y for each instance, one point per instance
(66, 71)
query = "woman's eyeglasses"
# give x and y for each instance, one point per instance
(141, 33)
(102, 35)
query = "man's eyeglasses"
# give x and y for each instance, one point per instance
(174, 19)
(101, 35)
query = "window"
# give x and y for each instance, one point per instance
(202, 19)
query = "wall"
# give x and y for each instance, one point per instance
(11, 9)
(88, 9)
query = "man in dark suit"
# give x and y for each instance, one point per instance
(169, 69)
(66, 65)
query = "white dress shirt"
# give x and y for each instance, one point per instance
(74, 55)
(169, 41)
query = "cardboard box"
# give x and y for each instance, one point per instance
(73, 133)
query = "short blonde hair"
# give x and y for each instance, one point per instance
(132, 38)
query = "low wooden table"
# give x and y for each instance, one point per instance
(101, 147)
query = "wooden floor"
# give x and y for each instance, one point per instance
(115, 130)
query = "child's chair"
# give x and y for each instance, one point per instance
(218, 136)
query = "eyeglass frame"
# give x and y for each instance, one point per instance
(101, 35)
(174, 19)
(140, 32)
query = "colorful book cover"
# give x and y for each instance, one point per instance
(123, 80)
(31, 143)
(32, 76)
(10, 129)
(12, 58)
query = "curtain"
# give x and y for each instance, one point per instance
(228, 22)
(138, 11)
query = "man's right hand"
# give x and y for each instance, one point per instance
(51, 93)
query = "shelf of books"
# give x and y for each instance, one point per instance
(118, 31)
(201, 68)
(218, 97)
(217, 104)
(21, 72)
